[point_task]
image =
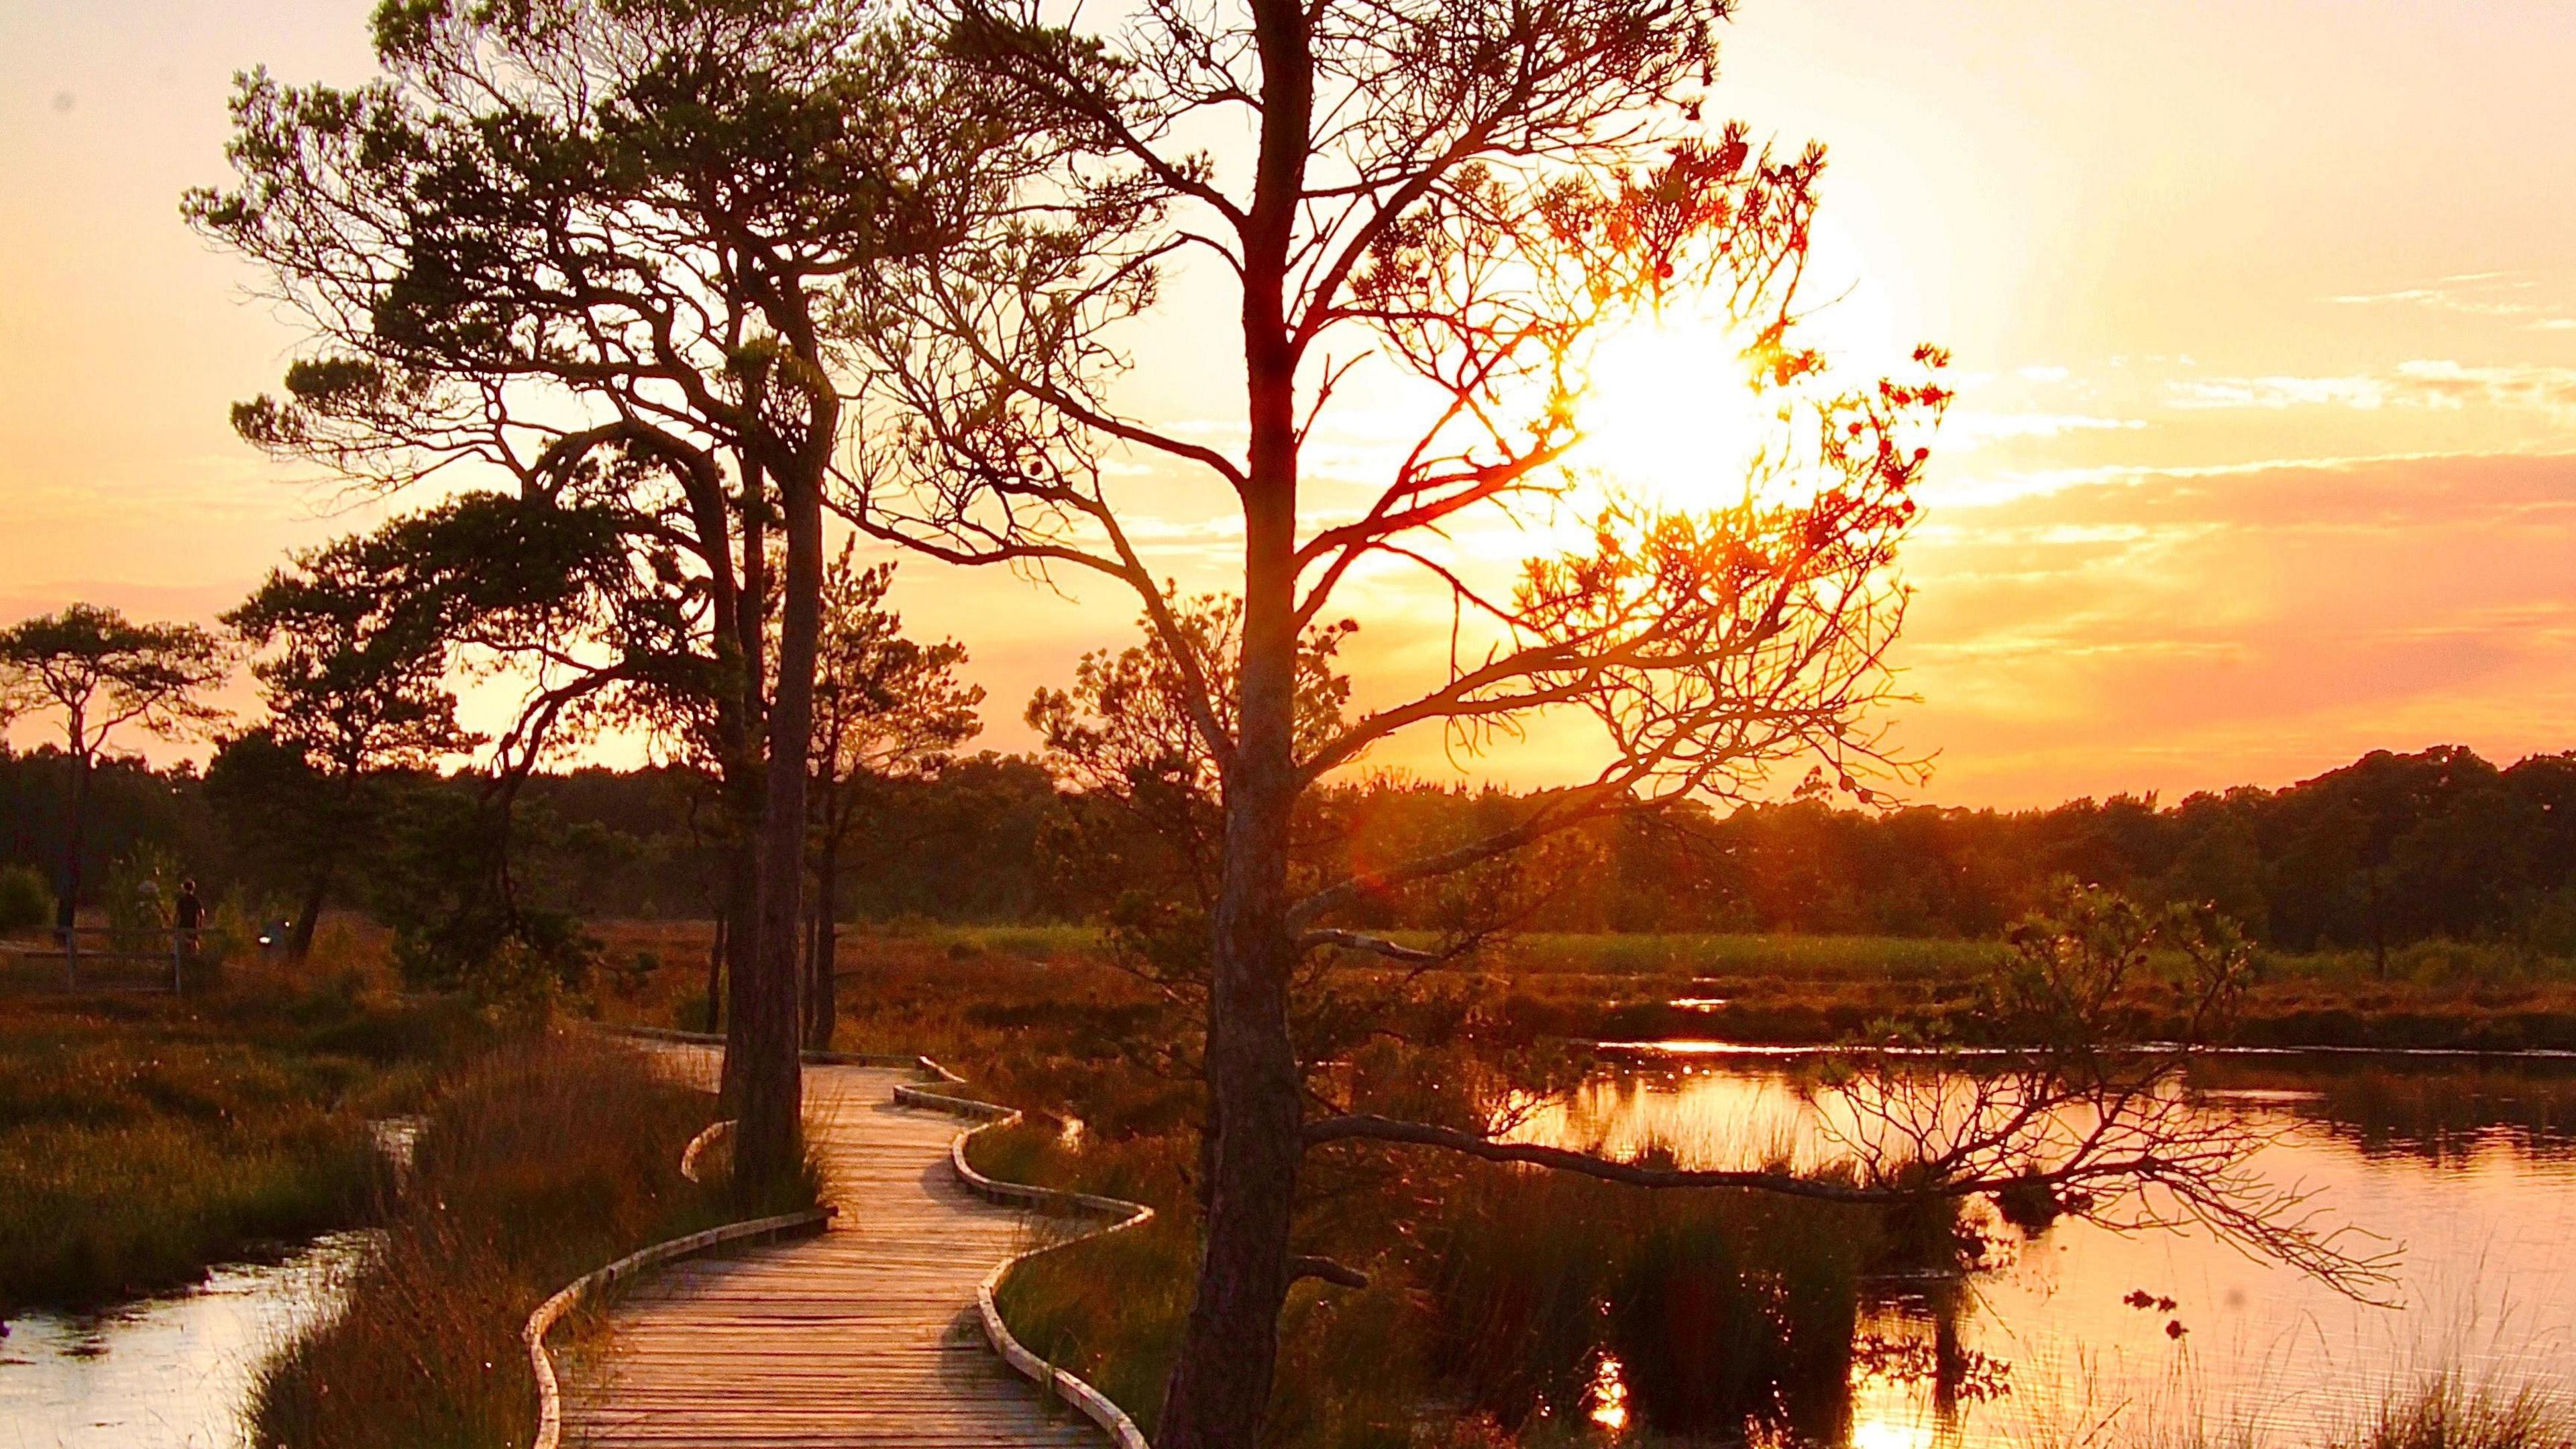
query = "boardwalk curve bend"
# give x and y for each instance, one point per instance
(874, 1331)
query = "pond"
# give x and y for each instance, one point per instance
(2076, 1334)
(165, 1373)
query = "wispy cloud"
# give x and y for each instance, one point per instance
(2549, 389)
(2275, 392)
(2423, 382)
(2191, 627)
(1971, 428)
(2506, 296)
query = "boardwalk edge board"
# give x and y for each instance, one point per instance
(1065, 1385)
(707, 1138)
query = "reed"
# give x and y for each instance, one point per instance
(538, 1163)
(1495, 1299)
(2447, 1410)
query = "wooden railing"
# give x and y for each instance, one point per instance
(183, 947)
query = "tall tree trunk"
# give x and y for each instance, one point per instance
(771, 1079)
(299, 941)
(67, 908)
(1220, 1382)
(741, 957)
(715, 971)
(822, 995)
(745, 786)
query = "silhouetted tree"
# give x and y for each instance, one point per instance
(354, 674)
(1472, 192)
(885, 708)
(1460, 197)
(104, 673)
(589, 246)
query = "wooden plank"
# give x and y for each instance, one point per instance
(863, 1336)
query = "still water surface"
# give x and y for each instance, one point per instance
(165, 1373)
(2467, 1169)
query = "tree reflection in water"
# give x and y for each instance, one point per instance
(2460, 1161)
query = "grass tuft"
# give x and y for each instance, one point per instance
(539, 1163)
(2447, 1411)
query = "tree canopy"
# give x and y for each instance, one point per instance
(588, 246)
(1446, 206)
(104, 672)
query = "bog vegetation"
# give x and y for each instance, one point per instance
(142, 1140)
(1493, 1298)
(651, 292)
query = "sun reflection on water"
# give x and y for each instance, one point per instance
(1609, 1394)
(1887, 1434)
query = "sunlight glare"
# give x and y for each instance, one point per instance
(1881, 1434)
(1671, 416)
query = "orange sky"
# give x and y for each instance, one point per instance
(2265, 315)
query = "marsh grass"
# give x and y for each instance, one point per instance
(538, 1163)
(1808, 990)
(1723, 1312)
(1808, 958)
(2447, 1411)
(1111, 1308)
(917, 986)
(1351, 1370)
(2441, 1409)
(1494, 1292)
(142, 1140)
(1494, 1297)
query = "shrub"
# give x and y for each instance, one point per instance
(25, 902)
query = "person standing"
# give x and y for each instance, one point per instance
(188, 915)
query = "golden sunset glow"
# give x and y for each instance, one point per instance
(2261, 456)
(1881, 1434)
(1803, 723)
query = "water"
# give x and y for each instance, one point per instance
(165, 1373)
(2465, 1170)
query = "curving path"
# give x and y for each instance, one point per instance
(865, 1335)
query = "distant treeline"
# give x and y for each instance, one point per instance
(2387, 850)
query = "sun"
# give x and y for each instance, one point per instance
(1670, 416)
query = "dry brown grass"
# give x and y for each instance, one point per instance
(540, 1162)
(2448, 1411)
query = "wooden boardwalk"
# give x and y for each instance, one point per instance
(866, 1335)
